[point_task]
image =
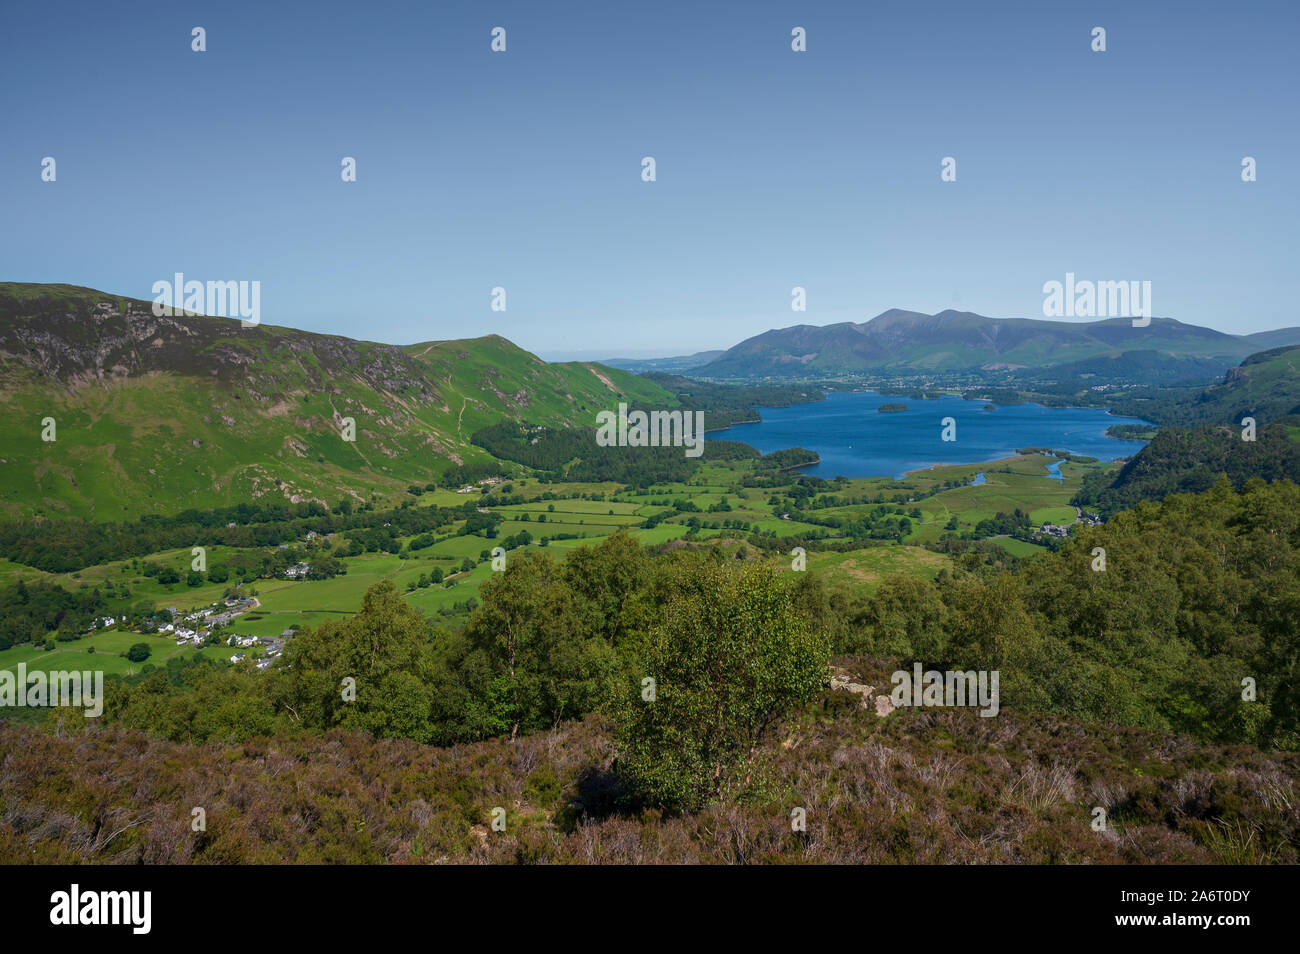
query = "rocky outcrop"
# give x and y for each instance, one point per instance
(843, 681)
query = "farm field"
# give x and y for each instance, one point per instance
(108, 646)
(1018, 548)
(1016, 483)
(442, 579)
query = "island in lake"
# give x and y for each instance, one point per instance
(892, 408)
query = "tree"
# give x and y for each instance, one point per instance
(538, 658)
(904, 618)
(611, 578)
(384, 649)
(139, 652)
(731, 656)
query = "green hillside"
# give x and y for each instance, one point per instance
(1266, 386)
(1212, 442)
(156, 414)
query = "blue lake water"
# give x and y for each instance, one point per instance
(854, 439)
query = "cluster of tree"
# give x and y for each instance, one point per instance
(464, 475)
(541, 448)
(323, 566)
(881, 522)
(573, 454)
(731, 656)
(64, 546)
(246, 566)
(548, 642)
(882, 527)
(788, 459)
(46, 613)
(1065, 455)
(1197, 599)
(801, 498)
(1131, 432)
(644, 466)
(459, 608)
(163, 574)
(696, 524)
(805, 488)
(995, 395)
(370, 540)
(1002, 524)
(29, 612)
(425, 580)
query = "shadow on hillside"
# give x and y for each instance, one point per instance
(599, 794)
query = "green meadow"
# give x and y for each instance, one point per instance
(1018, 482)
(108, 646)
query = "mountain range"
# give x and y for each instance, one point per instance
(906, 343)
(152, 414)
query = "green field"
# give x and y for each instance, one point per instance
(1017, 482)
(108, 646)
(1018, 548)
(868, 567)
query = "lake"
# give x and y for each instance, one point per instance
(854, 439)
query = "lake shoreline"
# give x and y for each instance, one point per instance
(851, 438)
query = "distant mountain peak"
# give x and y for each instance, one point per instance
(899, 341)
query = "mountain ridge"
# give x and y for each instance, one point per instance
(152, 413)
(901, 341)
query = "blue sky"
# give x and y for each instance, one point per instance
(523, 169)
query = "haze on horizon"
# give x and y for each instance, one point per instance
(775, 169)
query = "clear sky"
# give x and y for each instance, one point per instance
(522, 169)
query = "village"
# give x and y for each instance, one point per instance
(203, 627)
(1062, 531)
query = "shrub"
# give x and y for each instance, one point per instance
(139, 652)
(731, 658)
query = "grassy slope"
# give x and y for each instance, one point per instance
(158, 414)
(1266, 385)
(1205, 440)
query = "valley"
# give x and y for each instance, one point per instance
(910, 518)
(231, 523)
